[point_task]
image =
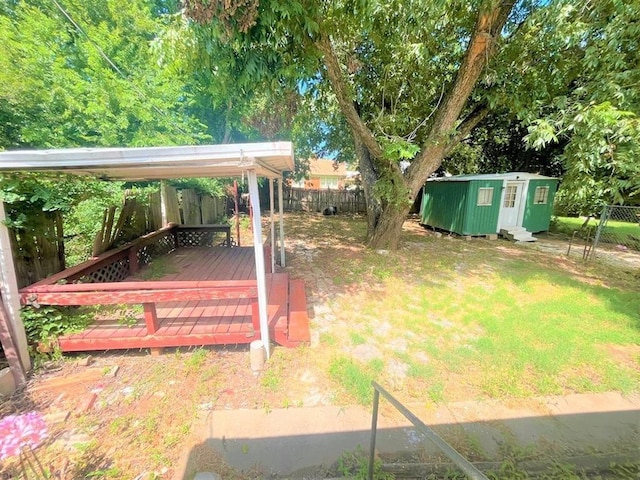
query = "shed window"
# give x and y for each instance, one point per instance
(541, 195)
(510, 196)
(485, 196)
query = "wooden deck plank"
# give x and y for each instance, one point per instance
(225, 318)
(278, 300)
(208, 318)
(172, 326)
(298, 327)
(237, 319)
(246, 269)
(226, 266)
(79, 344)
(205, 261)
(187, 310)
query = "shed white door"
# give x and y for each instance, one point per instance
(512, 203)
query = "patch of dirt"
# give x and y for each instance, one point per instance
(559, 245)
(143, 415)
(628, 355)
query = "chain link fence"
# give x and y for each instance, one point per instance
(618, 230)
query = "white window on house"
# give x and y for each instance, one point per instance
(485, 196)
(541, 196)
(510, 196)
(329, 182)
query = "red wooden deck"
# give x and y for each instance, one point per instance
(211, 321)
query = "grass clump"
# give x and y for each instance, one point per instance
(356, 338)
(195, 361)
(355, 378)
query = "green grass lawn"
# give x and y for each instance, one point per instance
(625, 233)
(445, 319)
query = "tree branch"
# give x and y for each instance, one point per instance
(479, 51)
(467, 125)
(340, 88)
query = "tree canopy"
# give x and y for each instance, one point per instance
(407, 86)
(86, 75)
(411, 79)
(572, 78)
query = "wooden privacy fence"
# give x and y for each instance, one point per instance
(303, 200)
(185, 207)
(38, 250)
(188, 207)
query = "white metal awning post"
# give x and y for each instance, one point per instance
(163, 203)
(259, 254)
(9, 290)
(272, 227)
(281, 222)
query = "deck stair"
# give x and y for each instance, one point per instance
(517, 234)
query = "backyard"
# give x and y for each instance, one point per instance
(441, 320)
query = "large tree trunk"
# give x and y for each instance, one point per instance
(389, 226)
(369, 177)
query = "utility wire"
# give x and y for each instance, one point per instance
(138, 90)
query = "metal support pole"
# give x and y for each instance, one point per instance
(237, 207)
(163, 203)
(604, 217)
(9, 292)
(11, 353)
(374, 431)
(281, 212)
(272, 226)
(259, 254)
(465, 465)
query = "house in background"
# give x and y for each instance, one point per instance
(323, 174)
(511, 204)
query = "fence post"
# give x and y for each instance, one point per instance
(604, 217)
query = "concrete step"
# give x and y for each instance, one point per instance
(524, 238)
(517, 234)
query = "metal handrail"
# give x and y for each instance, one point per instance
(465, 465)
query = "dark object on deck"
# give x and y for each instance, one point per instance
(330, 210)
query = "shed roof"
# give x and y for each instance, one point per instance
(493, 176)
(267, 159)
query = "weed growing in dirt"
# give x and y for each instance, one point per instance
(196, 359)
(355, 464)
(271, 378)
(357, 339)
(355, 378)
(328, 339)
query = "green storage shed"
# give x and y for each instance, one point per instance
(513, 204)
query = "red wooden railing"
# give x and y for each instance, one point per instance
(98, 281)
